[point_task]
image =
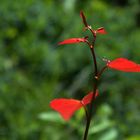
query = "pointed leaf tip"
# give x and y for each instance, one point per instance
(101, 31)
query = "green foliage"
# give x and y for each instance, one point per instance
(33, 70)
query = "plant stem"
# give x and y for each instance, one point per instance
(102, 70)
(90, 112)
(94, 90)
(86, 112)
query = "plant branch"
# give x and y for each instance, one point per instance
(102, 70)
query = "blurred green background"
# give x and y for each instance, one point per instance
(34, 70)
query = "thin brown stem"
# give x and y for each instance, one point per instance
(90, 113)
(95, 75)
(86, 112)
(95, 62)
(101, 72)
(94, 90)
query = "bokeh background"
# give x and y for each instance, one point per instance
(34, 70)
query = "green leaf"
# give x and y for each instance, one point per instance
(50, 117)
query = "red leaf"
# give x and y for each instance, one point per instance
(125, 65)
(101, 31)
(67, 107)
(87, 99)
(72, 41)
